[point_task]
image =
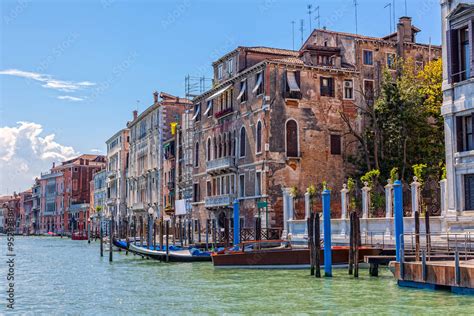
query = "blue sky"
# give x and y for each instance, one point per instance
(72, 71)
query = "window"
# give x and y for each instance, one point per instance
(292, 86)
(219, 72)
(459, 59)
(368, 57)
(197, 112)
(196, 193)
(464, 133)
(291, 139)
(230, 66)
(391, 60)
(258, 183)
(243, 91)
(335, 144)
(369, 91)
(208, 149)
(196, 155)
(209, 108)
(348, 89)
(241, 185)
(327, 86)
(469, 192)
(242, 142)
(258, 141)
(258, 89)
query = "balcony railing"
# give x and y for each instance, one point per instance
(219, 200)
(220, 165)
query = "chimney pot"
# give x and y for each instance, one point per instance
(155, 96)
(135, 114)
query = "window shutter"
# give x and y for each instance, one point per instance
(284, 84)
(472, 127)
(331, 87)
(471, 45)
(453, 56)
(459, 139)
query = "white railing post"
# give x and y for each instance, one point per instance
(365, 200)
(286, 202)
(389, 199)
(307, 205)
(415, 196)
(344, 207)
(443, 196)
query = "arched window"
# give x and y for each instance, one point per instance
(220, 146)
(291, 138)
(196, 155)
(209, 149)
(242, 142)
(224, 145)
(229, 143)
(258, 141)
(215, 148)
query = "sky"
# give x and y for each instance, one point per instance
(72, 72)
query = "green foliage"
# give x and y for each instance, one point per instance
(294, 191)
(370, 177)
(404, 126)
(311, 190)
(351, 184)
(325, 185)
(98, 209)
(378, 200)
(394, 174)
(443, 170)
(419, 171)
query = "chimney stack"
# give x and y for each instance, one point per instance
(155, 97)
(405, 32)
(54, 164)
(135, 114)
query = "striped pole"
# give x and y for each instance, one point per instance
(398, 216)
(327, 233)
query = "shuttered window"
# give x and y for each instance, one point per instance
(469, 192)
(327, 86)
(243, 137)
(336, 145)
(291, 139)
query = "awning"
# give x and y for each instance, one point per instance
(259, 82)
(197, 112)
(218, 93)
(242, 89)
(209, 107)
(290, 76)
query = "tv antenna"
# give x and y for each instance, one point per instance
(389, 5)
(406, 8)
(310, 12)
(355, 10)
(293, 33)
(302, 30)
(318, 17)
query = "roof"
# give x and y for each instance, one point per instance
(260, 49)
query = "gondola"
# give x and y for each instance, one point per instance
(175, 254)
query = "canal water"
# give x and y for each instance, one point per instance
(58, 276)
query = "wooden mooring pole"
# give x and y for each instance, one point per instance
(167, 240)
(309, 222)
(351, 242)
(317, 244)
(207, 234)
(101, 236)
(357, 242)
(111, 238)
(417, 235)
(428, 233)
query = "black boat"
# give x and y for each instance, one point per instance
(176, 255)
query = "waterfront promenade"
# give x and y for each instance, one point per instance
(58, 276)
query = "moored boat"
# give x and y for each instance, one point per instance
(175, 254)
(279, 254)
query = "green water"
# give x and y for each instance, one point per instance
(60, 276)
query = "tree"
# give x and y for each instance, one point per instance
(404, 126)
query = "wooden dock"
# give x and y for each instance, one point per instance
(459, 278)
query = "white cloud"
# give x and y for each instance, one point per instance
(25, 152)
(95, 150)
(70, 98)
(48, 81)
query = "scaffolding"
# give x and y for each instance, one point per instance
(194, 86)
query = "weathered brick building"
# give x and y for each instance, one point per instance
(272, 120)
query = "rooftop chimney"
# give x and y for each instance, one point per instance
(54, 164)
(135, 114)
(405, 32)
(155, 97)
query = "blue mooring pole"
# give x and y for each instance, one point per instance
(398, 216)
(236, 222)
(327, 233)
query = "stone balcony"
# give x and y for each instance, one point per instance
(224, 200)
(220, 165)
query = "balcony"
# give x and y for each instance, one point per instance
(220, 165)
(112, 174)
(111, 201)
(225, 200)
